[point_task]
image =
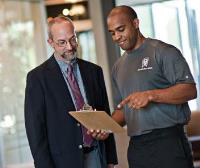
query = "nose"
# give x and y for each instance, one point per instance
(117, 37)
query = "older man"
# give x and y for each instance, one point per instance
(61, 84)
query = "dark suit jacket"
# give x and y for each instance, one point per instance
(54, 136)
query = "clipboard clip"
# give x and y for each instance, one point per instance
(87, 107)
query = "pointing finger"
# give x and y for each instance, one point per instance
(123, 102)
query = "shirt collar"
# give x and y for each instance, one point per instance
(64, 65)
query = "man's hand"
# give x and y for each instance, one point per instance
(98, 134)
(136, 100)
(111, 166)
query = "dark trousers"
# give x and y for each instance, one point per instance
(161, 148)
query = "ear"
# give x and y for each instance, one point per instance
(50, 41)
(136, 23)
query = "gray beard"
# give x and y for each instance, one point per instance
(68, 58)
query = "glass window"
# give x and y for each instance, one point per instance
(21, 49)
(87, 46)
(193, 15)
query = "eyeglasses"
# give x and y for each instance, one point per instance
(63, 43)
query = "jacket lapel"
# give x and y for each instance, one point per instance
(54, 74)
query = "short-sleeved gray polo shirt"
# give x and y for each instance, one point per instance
(155, 65)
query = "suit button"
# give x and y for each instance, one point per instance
(80, 146)
(78, 124)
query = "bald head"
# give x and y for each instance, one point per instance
(58, 20)
(123, 25)
(123, 10)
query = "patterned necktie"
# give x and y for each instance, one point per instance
(79, 101)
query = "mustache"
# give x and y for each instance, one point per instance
(69, 57)
(70, 51)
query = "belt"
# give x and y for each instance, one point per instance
(88, 149)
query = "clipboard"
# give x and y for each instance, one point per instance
(97, 120)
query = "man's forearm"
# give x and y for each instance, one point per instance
(177, 94)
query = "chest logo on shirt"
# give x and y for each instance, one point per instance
(145, 64)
